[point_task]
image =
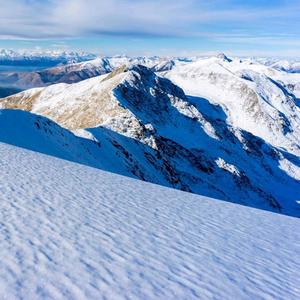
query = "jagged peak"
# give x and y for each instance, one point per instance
(135, 68)
(223, 57)
(143, 77)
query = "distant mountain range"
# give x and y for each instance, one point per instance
(40, 57)
(75, 72)
(72, 67)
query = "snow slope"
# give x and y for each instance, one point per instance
(68, 231)
(40, 134)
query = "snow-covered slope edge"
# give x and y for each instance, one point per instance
(42, 135)
(72, 232)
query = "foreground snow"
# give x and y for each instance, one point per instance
(68, 231)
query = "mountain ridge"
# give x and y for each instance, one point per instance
(163, 136)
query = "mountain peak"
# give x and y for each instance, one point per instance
(222, 56)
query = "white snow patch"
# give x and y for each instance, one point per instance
(68, 231)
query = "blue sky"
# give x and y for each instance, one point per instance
(153, 27)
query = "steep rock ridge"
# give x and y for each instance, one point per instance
(223, 57)
(153, 131)
(90, 103)
(253, 96)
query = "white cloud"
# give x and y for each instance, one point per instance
(69, 18)
(34, 19)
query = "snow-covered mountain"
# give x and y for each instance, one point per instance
(153, 131)
(48, 57)
(290, 66)
(74, 67)
(73, 232)
(254, 97)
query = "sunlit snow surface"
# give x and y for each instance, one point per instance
(68, 231)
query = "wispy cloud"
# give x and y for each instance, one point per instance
(72, 18)
(209, 25)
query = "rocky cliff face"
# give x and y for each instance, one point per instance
(254, 97)
(138, 124)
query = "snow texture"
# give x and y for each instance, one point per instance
(69, 231)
